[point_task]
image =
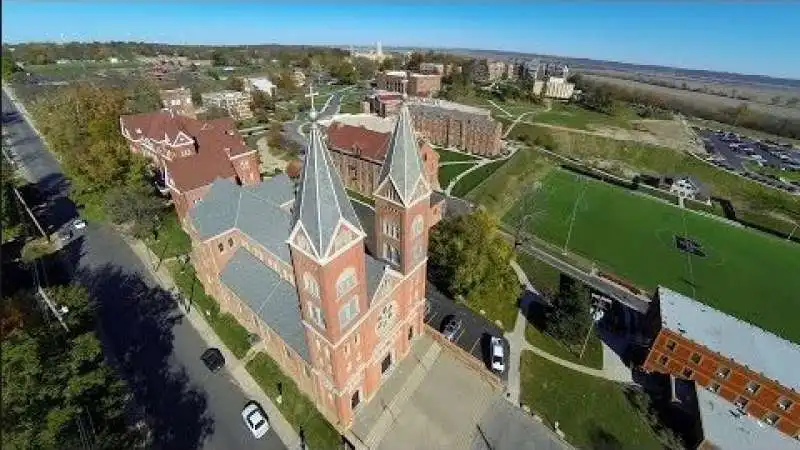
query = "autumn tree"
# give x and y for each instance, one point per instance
(135, 205)
(470, 260)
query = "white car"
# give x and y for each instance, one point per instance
(256, 419)
(498, 354)
(79, 224)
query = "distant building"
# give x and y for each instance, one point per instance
(687, 186)
(298, 77)
(178, 101)
(435, 68)
(487, 71)
(376, 55)
(262, 84)
(358, 154)
(559, 89)
(236, 103)
(754, 370)
(383, 103)
(416, 84)
(189, 154)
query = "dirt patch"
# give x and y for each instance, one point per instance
(663, 133)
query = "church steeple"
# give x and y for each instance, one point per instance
(323, 211)
(403, 175)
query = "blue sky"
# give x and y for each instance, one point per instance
(746, 37)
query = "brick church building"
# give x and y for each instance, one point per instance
(289, 259)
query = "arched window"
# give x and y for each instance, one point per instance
(418, 225)
(310, 285)
(346, 281)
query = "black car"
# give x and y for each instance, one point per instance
(213, 359)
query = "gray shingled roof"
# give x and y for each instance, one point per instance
(759, 350)
(255, 210)
(375, 271)
(217, 211)
(273, 299)
(728, 429)
(322, 200)
(403, 165)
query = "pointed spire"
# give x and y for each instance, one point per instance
(322, 202)
(403, 167)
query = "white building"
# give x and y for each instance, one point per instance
(688, 187)
(262, 84)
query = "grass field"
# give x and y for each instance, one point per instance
(450, 171)
(750, 275)
(573, 116)
(594, 413)
(592, 356)
(474, 178)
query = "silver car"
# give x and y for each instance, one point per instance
(256, 419)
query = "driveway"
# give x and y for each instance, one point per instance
(475, 331)
(142, 330)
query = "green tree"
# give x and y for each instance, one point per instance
(568, 318)
(236, 84)
(471, 261)
(365, 68)
(414, 61)
(262, 104)
(10, 210)
(143, 96)
(344, 72)
(135, 205)
(9, 66)
(53, 381)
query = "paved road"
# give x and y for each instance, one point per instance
(157, 352)
(292, 129)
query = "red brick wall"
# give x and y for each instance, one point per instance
(246, 168)
(678, 359)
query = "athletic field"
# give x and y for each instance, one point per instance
(752, 276)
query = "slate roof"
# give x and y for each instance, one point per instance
(403, 165)
(273, 299)
(375, 269)
(728, 429)
(759, 350)
(256, 210)
(322, 201)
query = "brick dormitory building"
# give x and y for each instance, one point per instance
(189, 154)
(288, 258)
(747, 379)
(445, 123)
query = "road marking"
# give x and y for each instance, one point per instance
(474, 345)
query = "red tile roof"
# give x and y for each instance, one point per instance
(215, 142)
(350, 139)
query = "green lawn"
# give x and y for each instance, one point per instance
(474, 178)
(360, 197)
(748, 274)
(543, 276)
(592, 356)
(170, 239)
(574, 116)
(449, 155)
(449, 172)
(298, 409)
(594, 413)
(766, 170)
(233, 334)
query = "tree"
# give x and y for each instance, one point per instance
(142, 97)
(365, 68)
(53, 382)
(10, 212)
(262, 104)
(775, 100)
(568, 318)
(792, 102)
(136, 205)
(9, 66)
(344, 72)
(414, 61)
(236, 84)
(470, 260)
(218, 59)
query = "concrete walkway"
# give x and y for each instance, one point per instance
(235, 368)
(613, 367)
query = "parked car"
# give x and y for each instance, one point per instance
(255, 419)
(451, 328)
(498, 354)
(213, 359)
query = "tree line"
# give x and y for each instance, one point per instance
(81, 125)
(601, 96)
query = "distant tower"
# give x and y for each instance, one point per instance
(565, 72)
(378, 49)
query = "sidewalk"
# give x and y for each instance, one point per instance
(236, 369)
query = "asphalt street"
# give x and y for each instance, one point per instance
(292, 129)
(157, 352)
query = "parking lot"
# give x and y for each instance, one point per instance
(731, 152)
(475, 332)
